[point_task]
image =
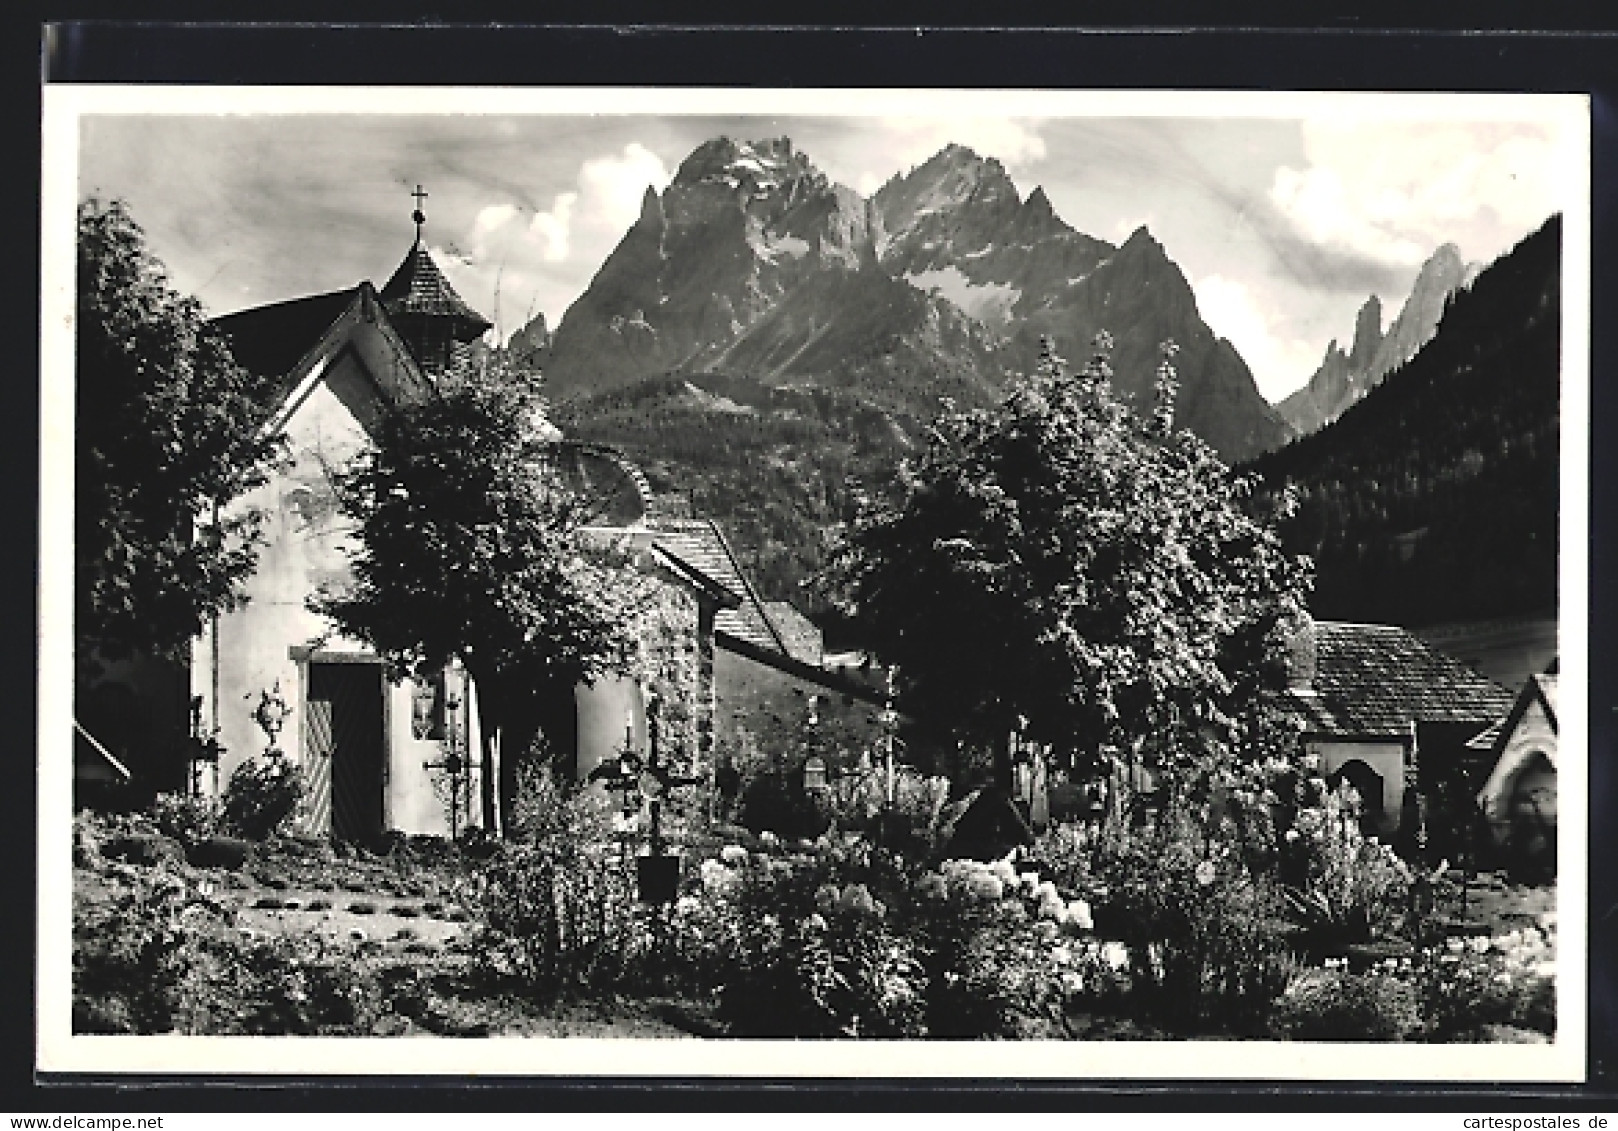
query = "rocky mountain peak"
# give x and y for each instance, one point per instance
(1367, 333)
(1141, 240)
(1341, 381)
(753, 168)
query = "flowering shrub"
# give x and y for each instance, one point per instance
(558, 904)
(1007, 955)
(262, 796)
(1205, 934)
(846, 939)
(1353, 888)
(1469, 984)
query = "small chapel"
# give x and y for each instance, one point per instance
(383, 753)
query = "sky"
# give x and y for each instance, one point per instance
(1283, 225)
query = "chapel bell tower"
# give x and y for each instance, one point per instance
(434, 321)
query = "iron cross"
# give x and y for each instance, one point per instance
(418, 215)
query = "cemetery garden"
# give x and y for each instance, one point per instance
(1275, 918)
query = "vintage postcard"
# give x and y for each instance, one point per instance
(623, 581)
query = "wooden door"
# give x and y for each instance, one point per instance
(347, 745)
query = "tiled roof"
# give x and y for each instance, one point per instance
(1377, 679)
(419, 287)
(802, 637)
(699, 543)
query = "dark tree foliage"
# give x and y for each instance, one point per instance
(1062, 561)
(169, 432)
(468, 549)
(1436, 497)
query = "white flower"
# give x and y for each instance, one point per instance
(733, 854)
(1078, 914)
(1072, 984)
(1115, 955)
(1206, 873)
(1061, 955)
(715, 876)
(986, 887)
(768, 839)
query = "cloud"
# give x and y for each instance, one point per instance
(1392, 191)
(1278, 361)
(539, 258)
(616, 185)
(866, 158)
(554, 226)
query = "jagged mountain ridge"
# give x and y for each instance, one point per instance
(940, 285)
(1435, 497)
(1342, 379)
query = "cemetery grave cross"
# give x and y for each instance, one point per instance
(647, 781)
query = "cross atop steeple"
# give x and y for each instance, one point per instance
(418, 215)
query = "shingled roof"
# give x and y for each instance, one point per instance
(418, 287)
(699, 543)
(1378, 679)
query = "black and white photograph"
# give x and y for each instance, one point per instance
(905, 582)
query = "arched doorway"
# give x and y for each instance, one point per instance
(1368, 784)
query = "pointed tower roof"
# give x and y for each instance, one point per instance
(419, 288)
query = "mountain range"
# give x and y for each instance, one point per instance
(763, 341)
(1343, 378)
(752, 262)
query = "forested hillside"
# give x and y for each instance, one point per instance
(774, 466)
(1435, 498)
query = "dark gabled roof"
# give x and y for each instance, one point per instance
(418, 287)
(1378, 679)
(269, 341)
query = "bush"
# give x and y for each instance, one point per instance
(798, 954)
(1335, 1005)
(1206, 936)
(1353, 889)
(558, 904)
(850, 939)
(262, 796)
(1469, 985)
(910, 825)
(189, 820)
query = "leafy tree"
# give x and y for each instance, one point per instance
(169, 431)
(1062, 563)
(468, 548)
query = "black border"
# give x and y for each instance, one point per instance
(1566, 51)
